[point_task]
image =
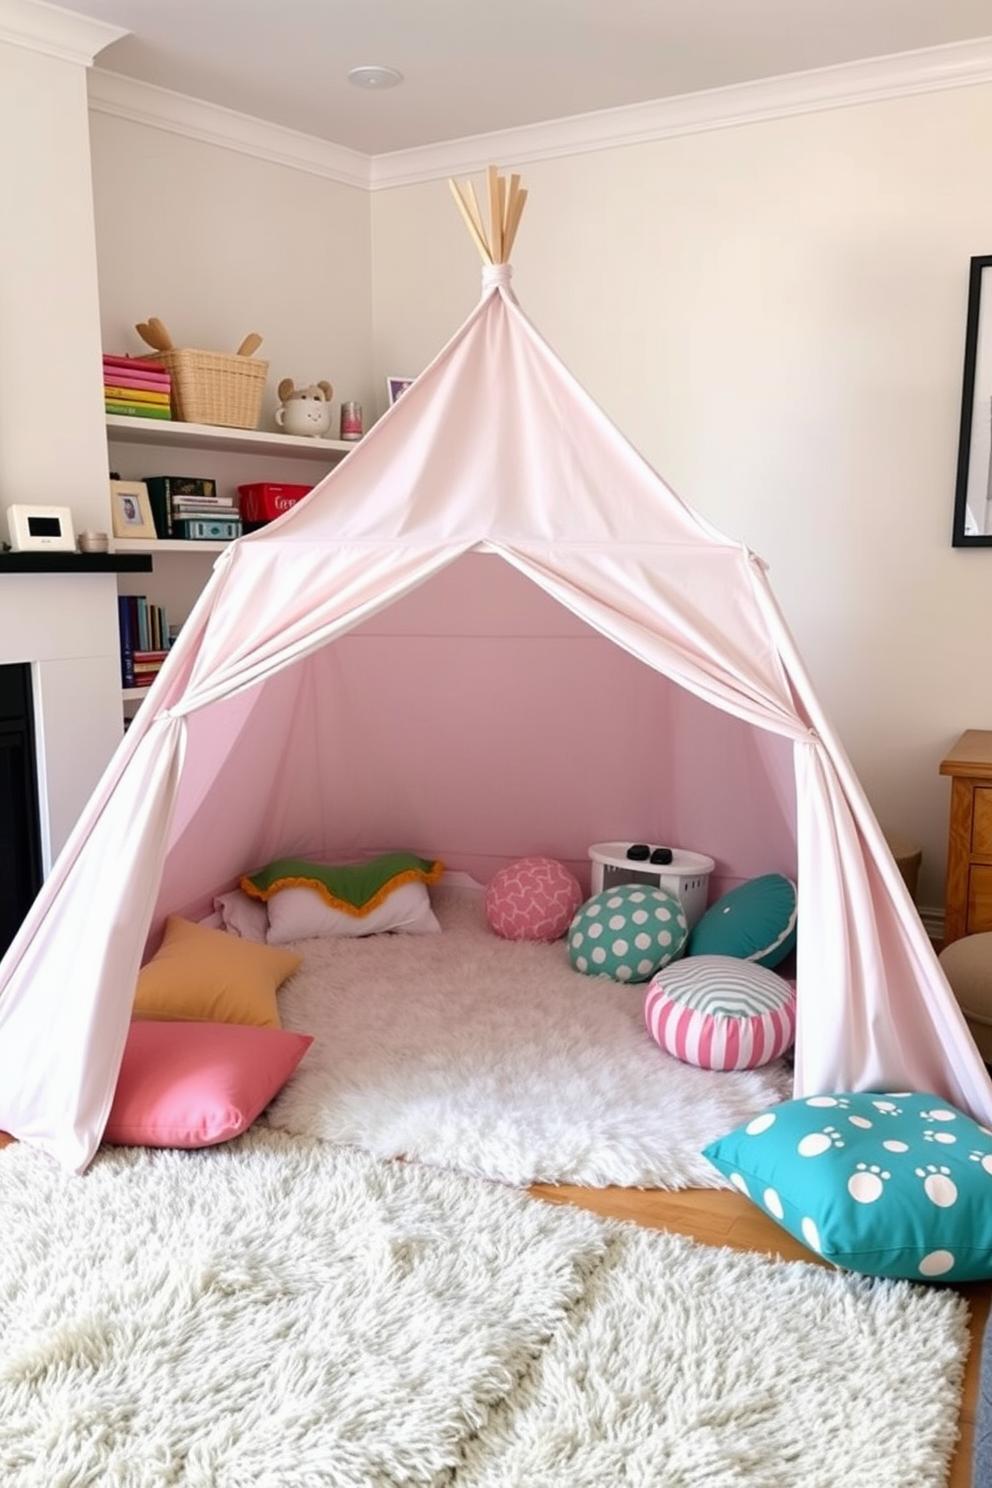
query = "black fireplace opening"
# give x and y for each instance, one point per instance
(20, 823)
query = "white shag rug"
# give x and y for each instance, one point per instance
(283, 1313)
(494, 1057)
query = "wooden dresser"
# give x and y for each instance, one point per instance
(968, 894)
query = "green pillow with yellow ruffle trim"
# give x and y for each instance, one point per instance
(355, 888)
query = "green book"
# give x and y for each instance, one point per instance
(138, 410)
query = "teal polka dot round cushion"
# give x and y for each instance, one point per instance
(628, 933)
(890, 1184)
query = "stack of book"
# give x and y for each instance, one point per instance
(147, 665)
(136, 388)
(189, 506)
(145, 639)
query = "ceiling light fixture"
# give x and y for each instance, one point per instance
(372, 78)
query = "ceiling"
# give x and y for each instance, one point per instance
(477, 66)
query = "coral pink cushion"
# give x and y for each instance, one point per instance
(532, 899)
(720, 1013)
(196, 1084)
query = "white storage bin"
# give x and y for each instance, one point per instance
(687, 876)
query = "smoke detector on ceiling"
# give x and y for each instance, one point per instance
(374, 77)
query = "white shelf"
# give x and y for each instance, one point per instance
(238, 441)
(165, 545)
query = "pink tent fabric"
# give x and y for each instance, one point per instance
(492, 630)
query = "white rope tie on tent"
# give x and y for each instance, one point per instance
(496, 275)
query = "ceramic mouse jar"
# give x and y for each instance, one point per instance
(304, 410)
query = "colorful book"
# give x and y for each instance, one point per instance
(136, 395)
(114, 377)
(140, 370)
(134, 363)
(208, 529)
(127, 642)
(137, 410)
(188, 506)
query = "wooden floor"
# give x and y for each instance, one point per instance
(724, 1217)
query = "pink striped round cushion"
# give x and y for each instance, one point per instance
(720, 1013)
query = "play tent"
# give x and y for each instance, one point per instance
(492, 630)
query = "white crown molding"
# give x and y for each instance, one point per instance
(55, 32)
(142, 103)
(959, 65)
(955, 66)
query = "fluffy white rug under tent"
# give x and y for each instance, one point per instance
(494, 1057)
(279, 1312)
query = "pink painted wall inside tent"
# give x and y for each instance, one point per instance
(475, 720)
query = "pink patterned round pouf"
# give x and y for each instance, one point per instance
(532, 899)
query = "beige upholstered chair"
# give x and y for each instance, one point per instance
(967, 965)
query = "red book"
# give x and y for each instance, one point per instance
(135, 363)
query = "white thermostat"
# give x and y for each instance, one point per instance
(31, 528)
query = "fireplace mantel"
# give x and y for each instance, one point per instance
(75, 563)
(58, 613)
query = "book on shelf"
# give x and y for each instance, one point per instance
(145, 639)
(208, 529)
(147, 665)
(147, 627)
(135, 364)
(137, 410)
(155, 382)
(127, 640)
(191, 506)
(165, 490)
(154, 396)
(183, 485)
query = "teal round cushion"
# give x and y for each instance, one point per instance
(754, 922)
(628, 933)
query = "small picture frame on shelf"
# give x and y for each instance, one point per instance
(131, 511)
(395, 386)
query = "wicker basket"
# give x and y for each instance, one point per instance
(214, 387)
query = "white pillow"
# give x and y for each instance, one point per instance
(301, 914)
(242, 915)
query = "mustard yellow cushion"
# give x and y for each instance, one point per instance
(207, 976)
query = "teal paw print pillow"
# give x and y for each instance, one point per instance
(886, 1183)
(628, 933)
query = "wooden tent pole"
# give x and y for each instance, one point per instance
(495, 219)
(477, 237)
(506, 205)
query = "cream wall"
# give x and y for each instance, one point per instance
(774, 314)
(52, 445)
(216, 243)
(51, 436)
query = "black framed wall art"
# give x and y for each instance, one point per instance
(973, 491)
